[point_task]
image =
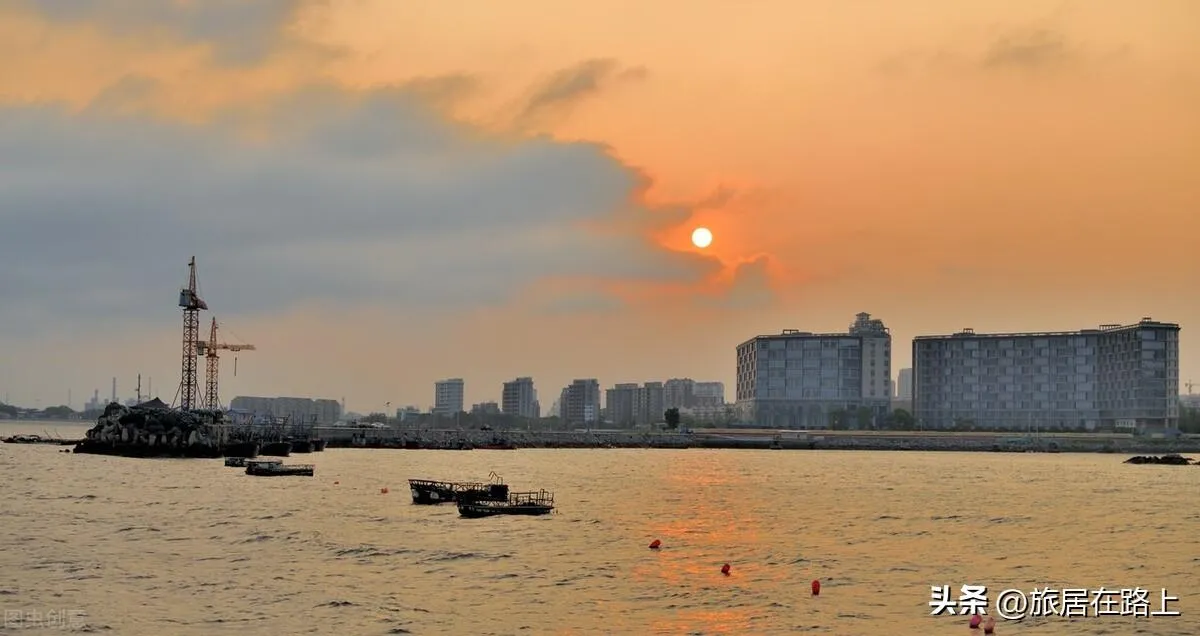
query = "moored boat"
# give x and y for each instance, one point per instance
(318, 445)
(241, 449)
(276, 449)
(539, 502)
(278, 469)
(236, 462)
(302, 446)
(430, 492)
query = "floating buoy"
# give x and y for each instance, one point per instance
(336, 483)
(383, 491)
(725, 569)
(655, 544)
(816, 587)
(975, 621)
(990, 626)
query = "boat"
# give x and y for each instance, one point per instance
(276, 449)
(431, 492)
(241, 449)
(538, 502)
(236, 462)
(302, 446)
(318, 445)
(38, 439)
(279, 469)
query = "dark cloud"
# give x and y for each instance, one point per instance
(321, 195)
(750, 289)
(564, 88)
(240, 31)
(1027, 48)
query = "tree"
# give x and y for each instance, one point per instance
(904, 420)
(671, 417)
(864, 418)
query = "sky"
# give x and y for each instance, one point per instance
(380, 194)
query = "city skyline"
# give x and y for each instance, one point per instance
(374, 208)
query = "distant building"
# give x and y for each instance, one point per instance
(519, 398)
(448, 396)
(904, 384)
(581, 402)
(677, 393)
(1111, 378)
(406, 413)
(632, 405)
(485, 408)
(708, 394)
(323, 412)
(799, 379)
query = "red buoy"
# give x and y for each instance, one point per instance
(725, 569)
(383, 491)
(816, 587)
(990, 626)
(655, 544)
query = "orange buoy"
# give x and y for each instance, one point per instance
(336, 483)
(383, 491)
(655, 544)
(725, 569)
(816, 587)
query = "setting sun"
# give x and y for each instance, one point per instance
(701, 237)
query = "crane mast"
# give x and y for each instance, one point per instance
(192, 304)
(212, 364)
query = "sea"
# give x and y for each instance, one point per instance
(144, 547)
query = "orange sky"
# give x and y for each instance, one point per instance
(1004, 166)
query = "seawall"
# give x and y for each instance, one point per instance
(702, 438)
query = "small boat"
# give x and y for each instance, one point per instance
(241, 449)
(276, 449)
(318, 445)
(302, 446)
(429, 492)
(236, 462)
(279, 469)
(538, 502)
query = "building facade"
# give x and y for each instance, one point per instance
(708, 394)
(632, 405)
(904, 384)
(1112, 378)
(799, 379)
(322, 412)
(581, 402)
(448, 396)
(519, 398)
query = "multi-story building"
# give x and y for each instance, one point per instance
(1111, 378)
(299, 410)
(448, 396)
(519, 398)
(485, 408)
(799, 379)
(629, 404)
(904, 384)
(708, 394)
(581, 402)
(677, 393)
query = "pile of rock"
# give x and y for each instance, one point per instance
(153, 429)
(1172, 460)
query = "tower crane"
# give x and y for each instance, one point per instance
(1189, 386)
(212, 363)
(192, 304)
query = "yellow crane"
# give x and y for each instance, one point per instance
(212, 363)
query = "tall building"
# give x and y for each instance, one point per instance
(581, 402)
(448, 396)
(904, 384)
(677, 393)
(706, 394)
(799, 379)
(519, 398)
(1111, 378)
(630, 404)
(298, 410)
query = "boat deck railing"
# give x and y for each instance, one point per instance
(535, 497)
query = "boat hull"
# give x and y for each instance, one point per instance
(302, 446)
(276, 449)
(263, 469)
(241, 449)
(426, 492)
(477, 510)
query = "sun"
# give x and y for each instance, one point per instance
(701, 237)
